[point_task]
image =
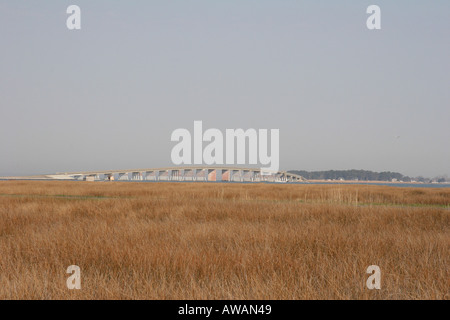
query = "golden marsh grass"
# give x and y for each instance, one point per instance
(222, 241)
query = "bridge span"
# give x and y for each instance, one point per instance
(229, 174)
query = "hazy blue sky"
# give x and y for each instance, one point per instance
(109, 95)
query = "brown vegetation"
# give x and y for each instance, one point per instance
(222, 241)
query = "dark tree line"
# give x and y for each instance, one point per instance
(362, 175)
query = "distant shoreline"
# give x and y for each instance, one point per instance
(375, 181)
(309, 182)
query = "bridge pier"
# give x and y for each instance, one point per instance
(123, 176)
(205, 174)
(182, 175)
(231, 175)
(136, 176)
(219, 175)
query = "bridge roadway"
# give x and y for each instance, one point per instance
(194, 173)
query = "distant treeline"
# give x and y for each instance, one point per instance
(363, 175)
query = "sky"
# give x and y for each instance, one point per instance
(109, 96)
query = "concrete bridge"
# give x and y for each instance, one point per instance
(185, 174)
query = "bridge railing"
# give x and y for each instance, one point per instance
(189, 174)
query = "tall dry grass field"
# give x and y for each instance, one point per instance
(222, 241)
